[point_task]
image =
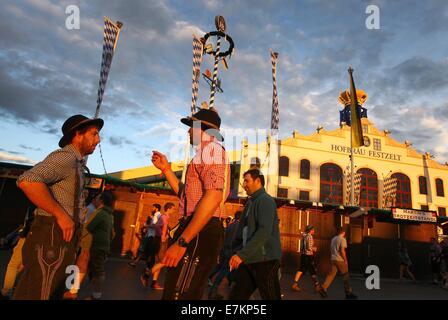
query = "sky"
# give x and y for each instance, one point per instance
(48, 72)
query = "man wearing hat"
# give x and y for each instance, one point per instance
(55, 187)
(307, 259)
(199, 239)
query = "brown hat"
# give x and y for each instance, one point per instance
(209, 119)
(77, 122)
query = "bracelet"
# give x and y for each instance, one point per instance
(165, 170)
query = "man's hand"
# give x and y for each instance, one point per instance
(173, 255)
(159, 160)
(235, 262)
(67, 226)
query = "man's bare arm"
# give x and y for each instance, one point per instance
(39, 194)
(161, 162)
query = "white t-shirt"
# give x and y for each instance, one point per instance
(152, 231)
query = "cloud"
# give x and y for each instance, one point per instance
(29, 148)
(11, 152)
(46, 78)
(6, 156)
(119, 141)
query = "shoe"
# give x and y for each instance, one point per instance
(3, 297)
(69, 296)
(144, 281)
(132, 264)
(323, 293)
(317, 288)
(351, 296)
(296, 287)
(215, 296)
(156, 286)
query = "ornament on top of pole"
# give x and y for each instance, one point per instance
(212, 79)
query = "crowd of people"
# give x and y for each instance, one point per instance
(60, 231)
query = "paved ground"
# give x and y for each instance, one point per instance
(123, 283)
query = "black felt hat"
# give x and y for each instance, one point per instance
(209, 119)
(76, 122)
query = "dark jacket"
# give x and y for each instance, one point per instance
(263, 232)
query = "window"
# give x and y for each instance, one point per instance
(441, 211)
(403, 198)
(365, 128)
(330, 183)
(376, 144)
(422, 185)
(304, 195)
(304, 169)
(424, 207)
(283, 170)
(368, 191)
(439, 188)
(282, 193)
(255, 163)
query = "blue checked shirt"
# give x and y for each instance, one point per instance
(58, 171)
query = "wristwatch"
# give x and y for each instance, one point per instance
(182, 243)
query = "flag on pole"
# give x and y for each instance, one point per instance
(275, 113)
(110, 38)
(197, 59)
(272, 144)
(356, 128)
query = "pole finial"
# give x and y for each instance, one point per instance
(220, 23)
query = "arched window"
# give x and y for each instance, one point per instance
(283, 166)
(403, 198)
(255, 163)
(422, 185)
(439, 188)
(304, 169)
(368, 190)
(330, 183)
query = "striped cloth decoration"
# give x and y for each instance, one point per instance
(110, 38)
(389, 192)
(197, 59)
(275, 112)
(215, 73)
(356, 187)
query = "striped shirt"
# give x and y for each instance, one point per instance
(58, 172)
(307, 244)
(206, 171)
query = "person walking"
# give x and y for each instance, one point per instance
(198, 240)
(257, 244)
(339, 263)
(307, 260)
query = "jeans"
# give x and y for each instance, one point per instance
(261, 275)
